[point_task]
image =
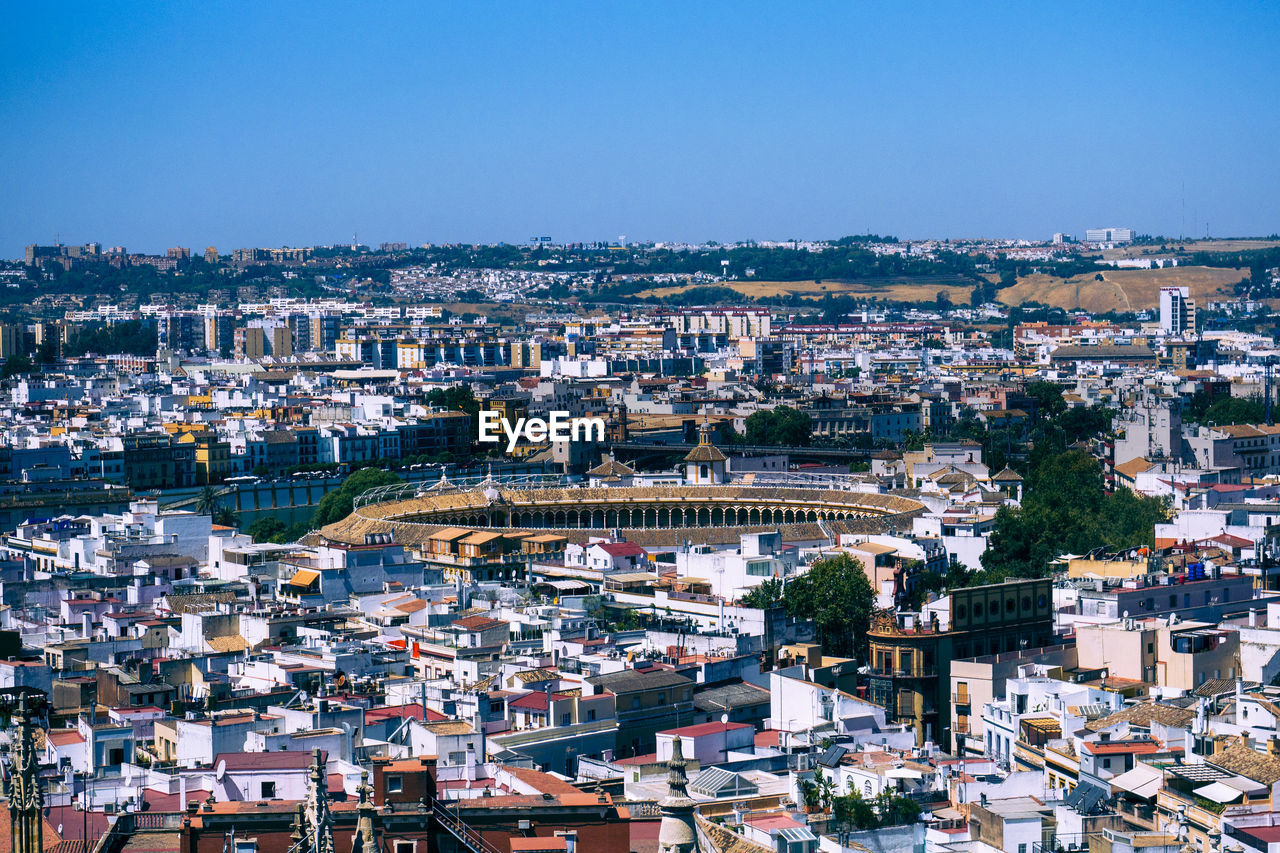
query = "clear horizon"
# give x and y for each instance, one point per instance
(150, 126)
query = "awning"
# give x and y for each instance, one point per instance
(1142, 781)
(1219, 792)
(565, 585)
(903, 773)
(304, 578)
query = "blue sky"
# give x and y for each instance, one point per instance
(152, 125)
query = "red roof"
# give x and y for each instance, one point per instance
(281, 760)
(400, 712)
(1123, 747)
(535, 701)
(478, 623)
(622, 549)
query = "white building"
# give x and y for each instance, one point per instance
(1108, 235)
(1177, 311)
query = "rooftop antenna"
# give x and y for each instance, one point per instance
(1183, 232)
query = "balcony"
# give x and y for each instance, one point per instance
(1142, 814)
(960, 698)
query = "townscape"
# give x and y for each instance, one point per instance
(597, 427)
(919, 576)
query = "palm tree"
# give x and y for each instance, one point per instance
(226, 517)
(205, 503)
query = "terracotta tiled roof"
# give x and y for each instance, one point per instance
(1143, 715)
(1245, 761)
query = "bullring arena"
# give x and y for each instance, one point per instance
(803, 509)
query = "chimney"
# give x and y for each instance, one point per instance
(86, 625)
(1253, 617)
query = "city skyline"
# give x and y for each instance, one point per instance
(158, 126)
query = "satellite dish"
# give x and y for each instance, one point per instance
(221, 771)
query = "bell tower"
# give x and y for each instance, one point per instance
(26, 799)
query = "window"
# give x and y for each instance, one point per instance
(395, 784)
(405, 846)
(564, 719)
(115, 756)
(268, 791)
(591, 715)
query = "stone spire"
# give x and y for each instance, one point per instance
(676, 833)
(317, 819)
(364, 841)
(26, 799)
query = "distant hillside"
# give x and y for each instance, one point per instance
(920, 288)
(1121, 290)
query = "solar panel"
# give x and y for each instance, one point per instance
(832, 756)
(1086, 797)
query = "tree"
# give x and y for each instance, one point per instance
(826, 785)
(896, 811)
(337, 505)
(206, 501)
(1226, 410)
(268, 529)
(16, 365)
(767, 594)
(1048, 397)
(1065, 509)
(781, 427)
(836, 594)
(854, 811)
(226, 516)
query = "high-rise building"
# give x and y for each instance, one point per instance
(219, 332)
(250, 342)
(10, 340)
(325, 331)
(1177, 311)
(281, 341)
